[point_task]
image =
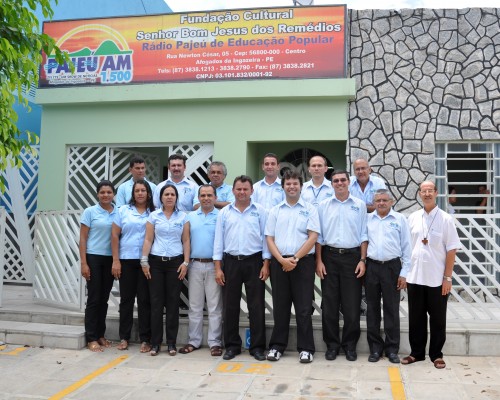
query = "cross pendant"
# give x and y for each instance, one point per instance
(425, 241)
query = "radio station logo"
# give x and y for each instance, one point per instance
(99, 53)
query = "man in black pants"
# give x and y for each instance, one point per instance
(239, 243)
(340, 263)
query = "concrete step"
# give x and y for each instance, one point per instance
(46, 335)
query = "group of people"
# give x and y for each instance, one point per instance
(221, 237)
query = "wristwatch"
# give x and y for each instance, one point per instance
(363, 260)
(296, 259)
(185, 263)
(448, 278)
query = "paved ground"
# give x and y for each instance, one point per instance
(43, 373)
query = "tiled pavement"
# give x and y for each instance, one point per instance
(43, 373)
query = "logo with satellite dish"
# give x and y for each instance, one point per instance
(103, 58)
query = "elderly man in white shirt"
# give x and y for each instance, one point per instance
(435, 242)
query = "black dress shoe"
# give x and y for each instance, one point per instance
(331, 355)
(393, 358)
(351, 355)
(374, 357)
(155, 349)
(259, 355)
(230, 354)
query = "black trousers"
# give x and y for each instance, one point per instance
(133, 283)
(237, 273)
(164, 291)
(341, 290)
(297, 287)
(381, 281)
(423, 300)
(98, 290)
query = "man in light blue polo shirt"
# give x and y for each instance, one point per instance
(365, 185)
(241, 246)
(291, 231)
(217, 172)
(268, 191)
(137, 168)
(388, 263)
(186, 188)
(340, 263)
(318, 188)
(201, 227)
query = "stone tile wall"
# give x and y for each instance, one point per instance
(422, 76)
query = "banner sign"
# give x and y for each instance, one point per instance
(296, 42)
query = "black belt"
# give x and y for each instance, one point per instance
(241, 257)
(291, 255)
(203, 260)
(337, 250)
(161, 258)
(383, 262)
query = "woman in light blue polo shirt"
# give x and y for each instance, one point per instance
(127, 238)
(165, 257)
(96, 260)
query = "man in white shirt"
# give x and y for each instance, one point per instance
(268, 191)
(318, 188)
(187, 189)
(365, 185)
(435, 242)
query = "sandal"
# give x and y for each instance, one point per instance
(439, 363)
(189, 348)
(94, 347)
(104, 342)
(145, 347)
(123, 345)
(155, 350)
(216, 351)
(408, 360)
(172, 350)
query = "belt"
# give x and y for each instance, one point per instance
(383, 262)
(203, 260)
(161, 258)
(337, 250)
(241, 257)
(291, 255)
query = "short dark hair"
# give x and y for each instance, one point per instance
(206, 185)
(169, 185)
(271, 155)
(105, 182)
(243, 179)
(291, 174)
(136, 160)
(177, 156)
(341, 172)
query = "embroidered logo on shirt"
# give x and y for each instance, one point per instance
(304, 213)
(394, 225)
(187, 190)
(178, 224)
(354, 208)
(254, 214)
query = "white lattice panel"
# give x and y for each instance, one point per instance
(3, 216)
(19, 200)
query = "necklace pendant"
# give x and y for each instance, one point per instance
(425, 241)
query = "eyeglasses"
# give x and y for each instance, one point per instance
(339, 180)
(428, 191)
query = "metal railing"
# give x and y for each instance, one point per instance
(474, 297)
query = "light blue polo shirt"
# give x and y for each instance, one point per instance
(187, 189)
(99, 221)
(168, 233)
(224, 193)
(374, 183)
(289, 225)
(343, 223)
(202, 232)
(124, 193)
(241, 233)
(133, 230)
(268, 195)
(389, 238)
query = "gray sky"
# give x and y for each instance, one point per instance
(194, 5)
